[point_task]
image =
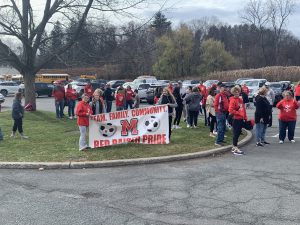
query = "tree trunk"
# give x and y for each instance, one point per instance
(29, 80)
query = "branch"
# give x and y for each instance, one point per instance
(15, 7)
(10, 57)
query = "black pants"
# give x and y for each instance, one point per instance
(170, 126)
(205, 115)
(178, 110)
(271, 117)
(213, 121)
(193, 118)
(18, 124)
(290, 126)
(237, 129)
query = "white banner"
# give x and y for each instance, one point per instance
(143, 126)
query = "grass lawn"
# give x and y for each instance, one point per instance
(51, 139)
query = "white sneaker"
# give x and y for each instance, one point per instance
(83, 148)
(70, 117)
(178, 127)
(173, 127)
(188, 126)
(24, 137)
(280, 142)
(293, 141)
(215, 132)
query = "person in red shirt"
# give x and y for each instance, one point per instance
(170, 86)
(238, 112)
(88, 89)
(245, 89)
(204, 93)
(297, 91)
(120, 100)
(59, 99)
(71, 96)
(221, 107)
(287, 116)
(83, 112)
(129, 97)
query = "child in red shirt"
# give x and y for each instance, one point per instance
(120, 100)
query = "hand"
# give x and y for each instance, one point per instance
(261, 120)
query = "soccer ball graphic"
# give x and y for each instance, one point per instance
(107, 130)
(151, 123)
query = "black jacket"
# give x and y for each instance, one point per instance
(17, 110)
(101, 107)
(108, 95)
(263, 110)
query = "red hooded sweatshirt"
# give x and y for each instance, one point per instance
(204, 93)
(221, 103)
(71, 94)
(287, 109)
(81, 111)
(237, 108)
(88, 89)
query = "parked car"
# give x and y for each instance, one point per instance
(2, 98)
(116, 83)
(278, 88)
(78, 86)
(43, 89)
(62, 82)
(145, 80)
(151, 92)
(240, 80)
(253, 85)
(187, 83)
(209, 83)
(142, 90)
(229, 85)
(8, 87)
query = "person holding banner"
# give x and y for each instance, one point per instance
(97, 103)
(167, 98)
(83, 112)
(120, 99)
(129, 97)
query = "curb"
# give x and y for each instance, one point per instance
(123, 162)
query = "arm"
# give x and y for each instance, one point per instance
(279, 105)
(296, 104)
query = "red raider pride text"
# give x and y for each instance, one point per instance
(142, 126)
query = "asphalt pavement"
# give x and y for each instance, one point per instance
(261, 188)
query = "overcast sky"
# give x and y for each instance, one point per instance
(185, 10)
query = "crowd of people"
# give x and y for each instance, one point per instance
(220, 107)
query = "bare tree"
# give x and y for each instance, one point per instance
(271, 14)
(26, 25)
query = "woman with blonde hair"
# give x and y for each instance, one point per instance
(168, 99)
(262, 116)
(238, 112)
(97, 103)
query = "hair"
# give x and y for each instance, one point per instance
(99, 91)
(212, 91)
(189, 88)
(84, 95)
(169, 93)
(235, 89)
(136, 91)
(128, 87)
(262, 91)
(69, 86)
(195, 89)
(285, 93)
(18, 95)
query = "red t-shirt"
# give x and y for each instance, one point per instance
(204, 93)
(120, 97)
(297, 90)
(287, 110)
(129, 95)
(245, 89)
(88, 89)
(58, 93)
(71, 94)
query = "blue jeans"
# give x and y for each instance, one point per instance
(59, 107)
(283, 125)
(71, 107)
(260, 132)
(221, 126)
(82, 138)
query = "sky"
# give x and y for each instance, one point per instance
(227, 11)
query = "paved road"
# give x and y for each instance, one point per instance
(261, 188)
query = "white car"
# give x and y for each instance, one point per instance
(253, 86)
(2, 99)
(142, 90)
(8, 87)
(78, 86)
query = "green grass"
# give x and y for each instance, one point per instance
(51, 139)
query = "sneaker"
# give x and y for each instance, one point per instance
(292, 141)
(70, 117)
(219, 144)
(215, 132)
(173, 127)
(237, 151)
(212, 135)
(265, 142)
(280, 142)
(83, 148)
(188, 126)
(233, 149)
(178, 127)
(13, 135)
(195, 127)
(24, 136)
(258, 144)
(225, 136)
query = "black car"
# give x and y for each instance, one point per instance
(154, 90)
(43, 89)
(116, 83)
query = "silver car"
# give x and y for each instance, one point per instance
(2, 99)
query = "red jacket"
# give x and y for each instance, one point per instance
(171, 88)
(120, 99)
(204, 93)
(245, 89)
(129, 95)
(297, 90)
(287, 110)
(82, 110)
(221, 103)
(71, 94)
(88, 89)
(58, 93)
(237, 108)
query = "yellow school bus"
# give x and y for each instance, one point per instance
(92, 77)
(50, 78)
